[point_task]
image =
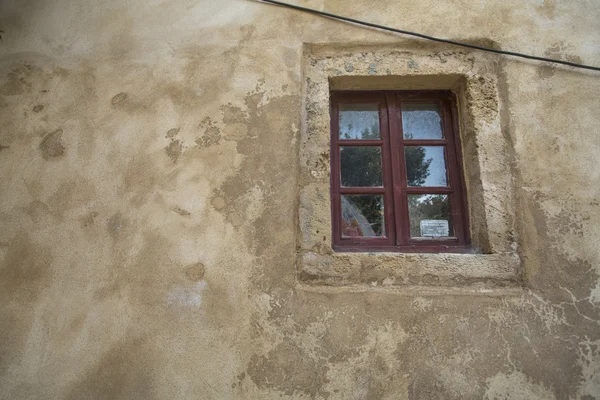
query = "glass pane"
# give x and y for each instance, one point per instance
(421, 121)
(430, 216)
(425, 166)
(362, 216)
(359, 121)
(361, 166)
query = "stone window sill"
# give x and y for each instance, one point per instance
(394, 269)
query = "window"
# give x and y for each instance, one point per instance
(336, 75)
(396, 173)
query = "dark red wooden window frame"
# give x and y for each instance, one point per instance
(395, 186)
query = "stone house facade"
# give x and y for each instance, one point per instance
(165, 208)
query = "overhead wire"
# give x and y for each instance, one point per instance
(427, 37)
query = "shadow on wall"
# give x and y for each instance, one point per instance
(124, 372)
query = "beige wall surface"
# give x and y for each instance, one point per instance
(150, 199)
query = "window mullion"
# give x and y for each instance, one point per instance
(398, 170)
(387, 172)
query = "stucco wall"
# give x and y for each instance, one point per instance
(150, 198)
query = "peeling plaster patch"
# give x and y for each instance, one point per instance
(594, 297)
(422, 304)
(219, 203)
(589, 361)
(212, 134)
(550, 314)
(566, 219)
(118, 98)
(235, 219)
(172, 132)
(458, 381)
(174, 150)
(182, 212)
(371, 372)
(195, 272)
(236, 122)
(188, 297)
(18, 81)
(38, 108)
(233, 114)
(235, 132)
(515, 386)
(290, 369)
(559, 50)
(254, 201)
(52, 146)
(3, 147)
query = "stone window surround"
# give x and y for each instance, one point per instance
(473, 78)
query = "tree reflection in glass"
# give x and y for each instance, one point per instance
(425, 165)
(361, 166)
(417, 167)
(421, 121)
(359, 121)
(432, 207)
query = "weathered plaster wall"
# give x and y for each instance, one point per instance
(149, 200)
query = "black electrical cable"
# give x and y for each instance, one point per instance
(435, 39)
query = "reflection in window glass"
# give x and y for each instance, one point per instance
(361, 166)
(362, 216)
(425, 166)
(429, 216)
(359, 121)
(421, 121)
